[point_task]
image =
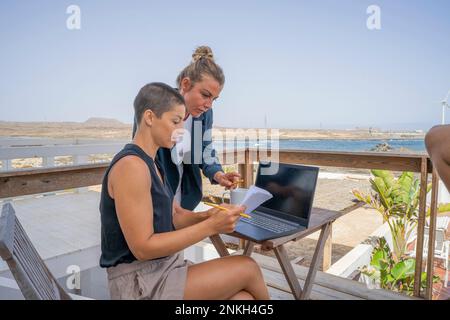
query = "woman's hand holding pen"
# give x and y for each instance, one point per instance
(224, 221)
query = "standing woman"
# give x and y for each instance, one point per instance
(200, 84)
(143, 232)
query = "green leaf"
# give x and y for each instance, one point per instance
(436, 279)
(406, 182)
(444, 208)
(379, 186)
(360, 196)
(377, 257)
(403, 269)
(384, 264)
(390, 278)
(423, 277)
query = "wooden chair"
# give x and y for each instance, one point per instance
(32, 275)
(441, 249)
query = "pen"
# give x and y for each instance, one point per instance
(222, 208)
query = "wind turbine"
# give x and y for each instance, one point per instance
(445, 105)
(443, 194)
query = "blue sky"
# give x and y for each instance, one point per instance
(303, 64)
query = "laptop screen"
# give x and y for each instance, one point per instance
(292, 187)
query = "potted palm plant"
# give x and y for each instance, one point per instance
(397, 200)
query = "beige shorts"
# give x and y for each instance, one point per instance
(162, 279)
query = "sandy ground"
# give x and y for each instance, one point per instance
(116, 130)
(60, 130)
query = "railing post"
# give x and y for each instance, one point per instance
(48, 162)
(421, 224)
(246, 171)
(432, 235)
(77, 160)
(6, 165)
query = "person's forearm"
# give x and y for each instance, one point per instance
(183, 218)
(211, 170)
(167, 243)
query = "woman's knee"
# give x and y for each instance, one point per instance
(242, 295)
(436, 137)
(249, 266)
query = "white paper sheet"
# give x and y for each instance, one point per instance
(255, 197)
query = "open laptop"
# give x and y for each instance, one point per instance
(289, 211)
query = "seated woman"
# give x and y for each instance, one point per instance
(144, 232)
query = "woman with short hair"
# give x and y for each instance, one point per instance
(144, 231)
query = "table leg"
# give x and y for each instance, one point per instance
(219, 245)
(249, 248)
(309, 281)
(288, 271)
(328, 250)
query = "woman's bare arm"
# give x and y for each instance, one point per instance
(183, 218)
(130, 183)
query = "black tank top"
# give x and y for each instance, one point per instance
(113, 245)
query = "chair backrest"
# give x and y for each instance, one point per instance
(439, 240)
(442, 222)
(32, 275)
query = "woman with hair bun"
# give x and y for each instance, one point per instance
(200, 84)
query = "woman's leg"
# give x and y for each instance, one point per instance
(242, 295)
(236, 277)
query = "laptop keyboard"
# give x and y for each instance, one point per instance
(268, 224)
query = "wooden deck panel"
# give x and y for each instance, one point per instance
(326, 286)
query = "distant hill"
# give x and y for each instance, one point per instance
(103, 122)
